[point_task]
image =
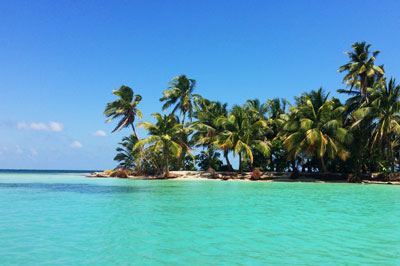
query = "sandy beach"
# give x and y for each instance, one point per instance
(246, 177)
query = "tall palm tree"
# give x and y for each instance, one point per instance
(180, 94)
(164, 137)
(316, 128)
(125, 108)
(383, 110)
(361, 67)
(242, 135)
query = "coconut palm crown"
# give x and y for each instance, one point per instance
(125, 108)
(180, 94)
(361, 67)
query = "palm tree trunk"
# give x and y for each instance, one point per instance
(227, 161)
(183, 118)
(134, 131)
(166, 173)
(363, 85)
(391, 154)
(181, 159)
(209, 157)
(323, 165)
(240, 162)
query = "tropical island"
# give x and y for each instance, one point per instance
(316, 136)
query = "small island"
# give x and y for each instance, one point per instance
(316, 138)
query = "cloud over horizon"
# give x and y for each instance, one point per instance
(76, 144)
(99, 133)
(40, 126)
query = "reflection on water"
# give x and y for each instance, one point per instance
(75, 188)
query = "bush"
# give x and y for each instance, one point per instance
(255, 174)
(352, 178)
(120, 174)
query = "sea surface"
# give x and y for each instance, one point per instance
(63, 218)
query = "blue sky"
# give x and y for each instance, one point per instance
(60, 60)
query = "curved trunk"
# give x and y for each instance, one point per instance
(227, 161)
(134, 131)
(323, 165)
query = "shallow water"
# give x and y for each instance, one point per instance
(66, 219)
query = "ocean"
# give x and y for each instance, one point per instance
(64, 218)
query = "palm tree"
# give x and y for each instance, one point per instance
(207, 160)
(164, 137)
(126, 156)
(256, 109)
(361, 67)
(383, 109)
(242, 135)
(315, 128)
(180, 94)
(207, 112)
(124, 108)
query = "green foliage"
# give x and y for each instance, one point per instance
(210, 159)
(361, 67)
(125, 108)
(316, 129)
(126, 156)
(316, 133)
(164, 137)
(180, 94)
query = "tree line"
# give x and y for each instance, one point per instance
(316, 133)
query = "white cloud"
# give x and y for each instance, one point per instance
(51, 126)
(22, 125)
(39, 126)
(55, 126)
(76, 144)
(100, 133)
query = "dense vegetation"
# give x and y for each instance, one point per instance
(317, 133)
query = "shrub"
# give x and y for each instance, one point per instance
(255, 174)
(120, 174)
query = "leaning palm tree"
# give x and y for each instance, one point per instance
(242, 135)
(361, 67)
(180, 94)
(125, 108)
(164, 136)
(316, 129)
(383, 110)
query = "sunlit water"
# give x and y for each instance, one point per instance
(66, 219)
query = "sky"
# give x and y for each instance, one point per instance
(60, 61)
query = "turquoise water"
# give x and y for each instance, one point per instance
(66, 219)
